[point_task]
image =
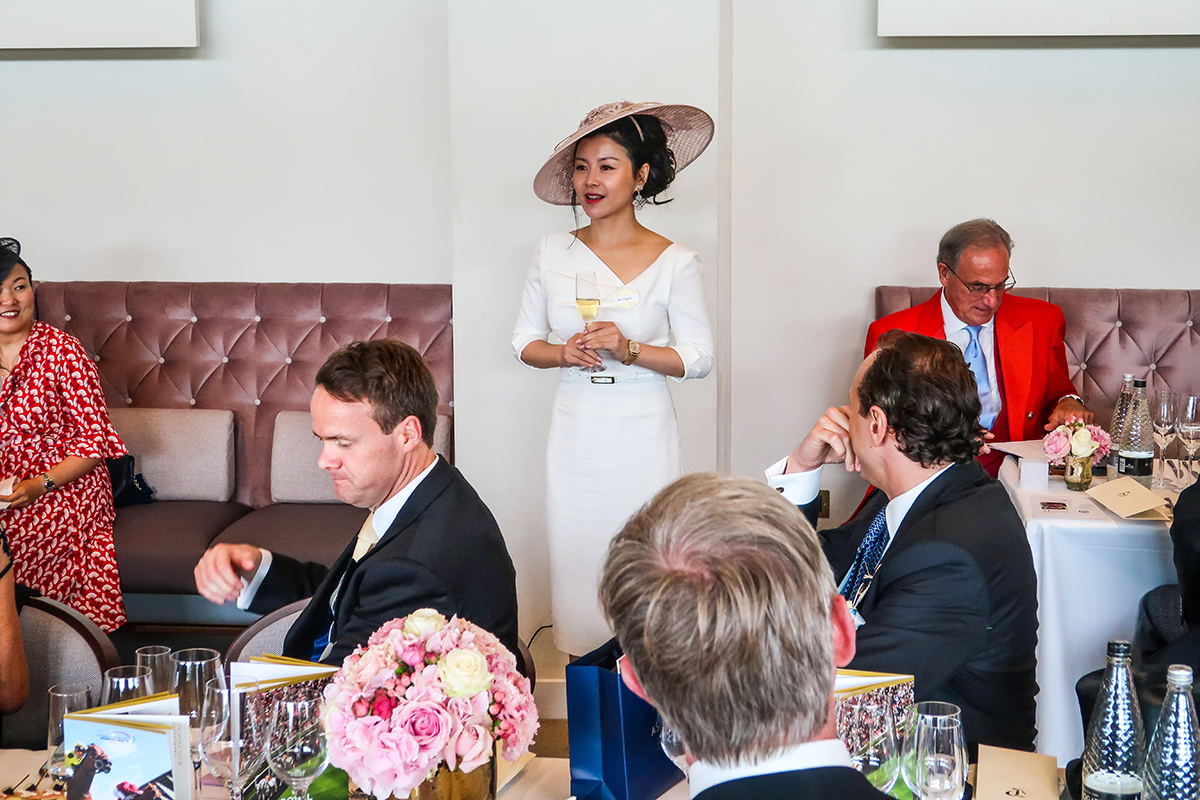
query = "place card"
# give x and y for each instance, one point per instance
(1035, 475)
(1003, 774)
(1129, 499)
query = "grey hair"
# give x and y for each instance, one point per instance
(972, 233)
(721, 598)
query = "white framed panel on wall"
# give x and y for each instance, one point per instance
(52, 24)
(1038, 17)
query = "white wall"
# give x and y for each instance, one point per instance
(852, 156)
(521, 77)
(303, 141)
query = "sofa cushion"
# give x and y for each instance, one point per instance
(184, 454)
(308, 532)
(295, 476)
(159, 544)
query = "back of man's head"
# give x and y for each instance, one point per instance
(388, 374)
(928, 393)
(721, 598)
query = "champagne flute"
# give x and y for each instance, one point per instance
(941, 758)
(233, 732)
(194, 668)
(1188, 427)
(124, 683)
(875, 754)
(587, 300)
(296, 747)
(1163, 420)
(157, 658)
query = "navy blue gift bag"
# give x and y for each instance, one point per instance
(613, 734)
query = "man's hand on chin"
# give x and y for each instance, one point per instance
(1069, 410)
(827, 443)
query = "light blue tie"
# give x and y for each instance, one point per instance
(867, 559)
(978, 365)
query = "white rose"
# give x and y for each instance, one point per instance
(423, 622)
(1082, 443)
(464, 673)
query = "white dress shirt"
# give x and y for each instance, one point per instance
(385, 515)
(801, 488)
(957, 334)
(821, 753)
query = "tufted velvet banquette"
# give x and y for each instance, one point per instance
(252, 348)
(245, 355)
(1153, 333)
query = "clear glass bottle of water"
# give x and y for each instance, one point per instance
(1137, 443)
(1116, 744)
(1120, 415)
(1170, 771)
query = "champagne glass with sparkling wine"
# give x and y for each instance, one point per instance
(587, 300)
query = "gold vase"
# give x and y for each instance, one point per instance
(1079, 473)
(446, 784)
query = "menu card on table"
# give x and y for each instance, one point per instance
(136, 750)
(1129, 499)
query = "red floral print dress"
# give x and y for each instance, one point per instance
(51, 407)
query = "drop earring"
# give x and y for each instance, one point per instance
(638, 200)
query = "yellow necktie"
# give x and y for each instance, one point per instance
(366, 537)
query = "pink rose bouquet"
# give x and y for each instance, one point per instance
(423, 692)
(1076, 439)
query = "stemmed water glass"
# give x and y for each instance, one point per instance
(1163, 420)
(157, 658)
(587, 300)
(233, 733)
(1188, 427)
(876, 754)
(296, 746)
(934, 762)
(124, 683)
(193, 669)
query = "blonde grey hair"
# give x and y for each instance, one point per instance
(721, 598)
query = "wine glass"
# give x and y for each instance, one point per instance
(940, 757)
(587, 300)
(1163, 419)
(233, 732)
(193, 669)
(1188, 427)
(672, 744)
(296, 746)
(64, 698)
(157, 658)
(124, 683)
(909, 757)
(876, 754)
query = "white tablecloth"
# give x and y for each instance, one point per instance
(1092, 569)
(542, 778)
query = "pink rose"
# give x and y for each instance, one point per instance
(413, 655)
(472, 747)
(1057, 445)
(383, 704)
(428, 723)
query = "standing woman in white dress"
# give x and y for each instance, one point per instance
(613, 441)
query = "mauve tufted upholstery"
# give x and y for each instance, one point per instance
(253, 348)
(1153, 333)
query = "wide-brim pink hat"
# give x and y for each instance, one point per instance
(689, 130)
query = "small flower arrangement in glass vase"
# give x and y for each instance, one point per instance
(1075, 445)
(427, 700)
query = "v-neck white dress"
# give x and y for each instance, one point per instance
(613, 440)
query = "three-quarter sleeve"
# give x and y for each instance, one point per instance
(688, 317)
(533, 320)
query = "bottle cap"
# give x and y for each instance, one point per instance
(1138, 383)
(1179, 676)
(1128, 376)
(1119, 648)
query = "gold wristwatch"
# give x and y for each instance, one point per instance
(635, 349)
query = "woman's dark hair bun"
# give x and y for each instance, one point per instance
(645, 142)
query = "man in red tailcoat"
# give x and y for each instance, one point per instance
(1014, 345)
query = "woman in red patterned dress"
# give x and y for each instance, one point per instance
(54, 437)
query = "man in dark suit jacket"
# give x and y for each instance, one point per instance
(733, 629)
(1025, 388)
(936, 565)
(429, 542)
